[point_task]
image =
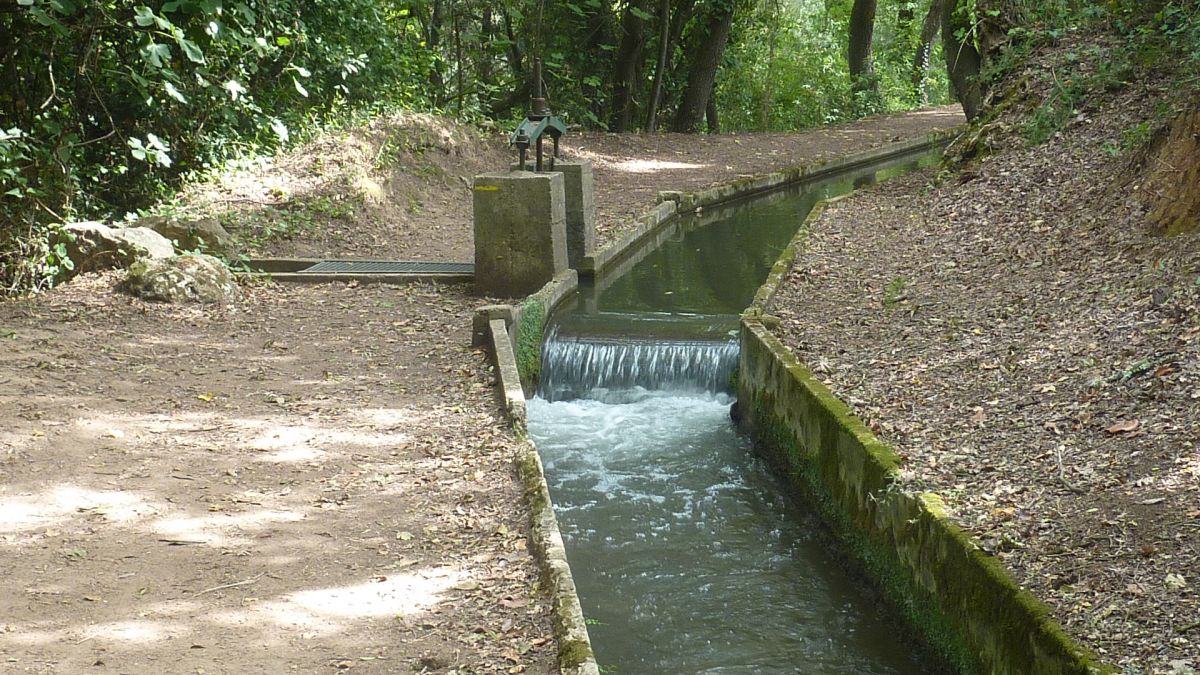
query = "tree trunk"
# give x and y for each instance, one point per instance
(861, 56)
(768, 92)
(962, 58)
(514, 49)
(458, 57)
(703, 72)
(483, 65)
(433, 38)
(679, 19)
(625, 68)
(996, 18)
(710, 113)
(929, 30)
(660, 68)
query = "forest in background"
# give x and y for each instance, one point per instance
(105, 106)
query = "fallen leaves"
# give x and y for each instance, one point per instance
(1123, 427)
(1175, 582)
(1035, 355)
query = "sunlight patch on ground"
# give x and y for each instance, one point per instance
(329, 610)
(131, 631)
(29, 511)
(296, 454)
(628, 165)
(389, 417)
(654, 166)
(32, 635)
(215, 529)
(185, 344)
(117, 426)
(280, 437)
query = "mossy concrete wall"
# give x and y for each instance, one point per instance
(545, 539)
(529, 325)
(520, 231)
(961, 599)
(580, 189)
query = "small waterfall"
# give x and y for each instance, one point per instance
(612, 370)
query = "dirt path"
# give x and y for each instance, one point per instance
(315, 479)
(1032, 348)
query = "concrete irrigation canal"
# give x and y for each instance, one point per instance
(689, 554)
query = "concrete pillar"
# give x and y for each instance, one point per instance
(581, 207)
(520, 231)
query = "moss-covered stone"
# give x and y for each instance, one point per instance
(531, 327)
(573, 654)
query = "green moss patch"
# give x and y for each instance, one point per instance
(531, 327)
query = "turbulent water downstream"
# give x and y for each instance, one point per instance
(689, 555)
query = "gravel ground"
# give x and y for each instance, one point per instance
(1032, 349)
(315, 479)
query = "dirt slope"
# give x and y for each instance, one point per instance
(1030, 342)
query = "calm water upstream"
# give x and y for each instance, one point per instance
(690, 556)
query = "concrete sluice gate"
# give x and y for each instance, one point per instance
(689, 553)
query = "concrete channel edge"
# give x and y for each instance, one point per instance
(961, 600)
(508, 330)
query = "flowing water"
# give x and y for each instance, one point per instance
(689, 555)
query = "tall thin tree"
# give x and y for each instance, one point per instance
(660, 66)
(708, 48)
(861, 56)
(929, 30)
(626, 65)
(962, 57)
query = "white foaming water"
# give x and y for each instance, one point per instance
(687, 555)
(608, 370)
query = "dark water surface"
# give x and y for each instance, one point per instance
(689, 554)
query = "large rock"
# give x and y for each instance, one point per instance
(205, 234)
(183, 278)
(96, 246)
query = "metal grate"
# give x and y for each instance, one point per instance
(388, 267)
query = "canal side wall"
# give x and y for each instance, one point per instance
(962, 600)
(575, 655)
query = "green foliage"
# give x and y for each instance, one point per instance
(786, 68)
(895, 291)
(1054, 113)
(106, 104)
(253, 230)
(1161, 37)
(1132, 138)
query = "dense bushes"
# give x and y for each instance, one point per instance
(787, 68)
(103, 104)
